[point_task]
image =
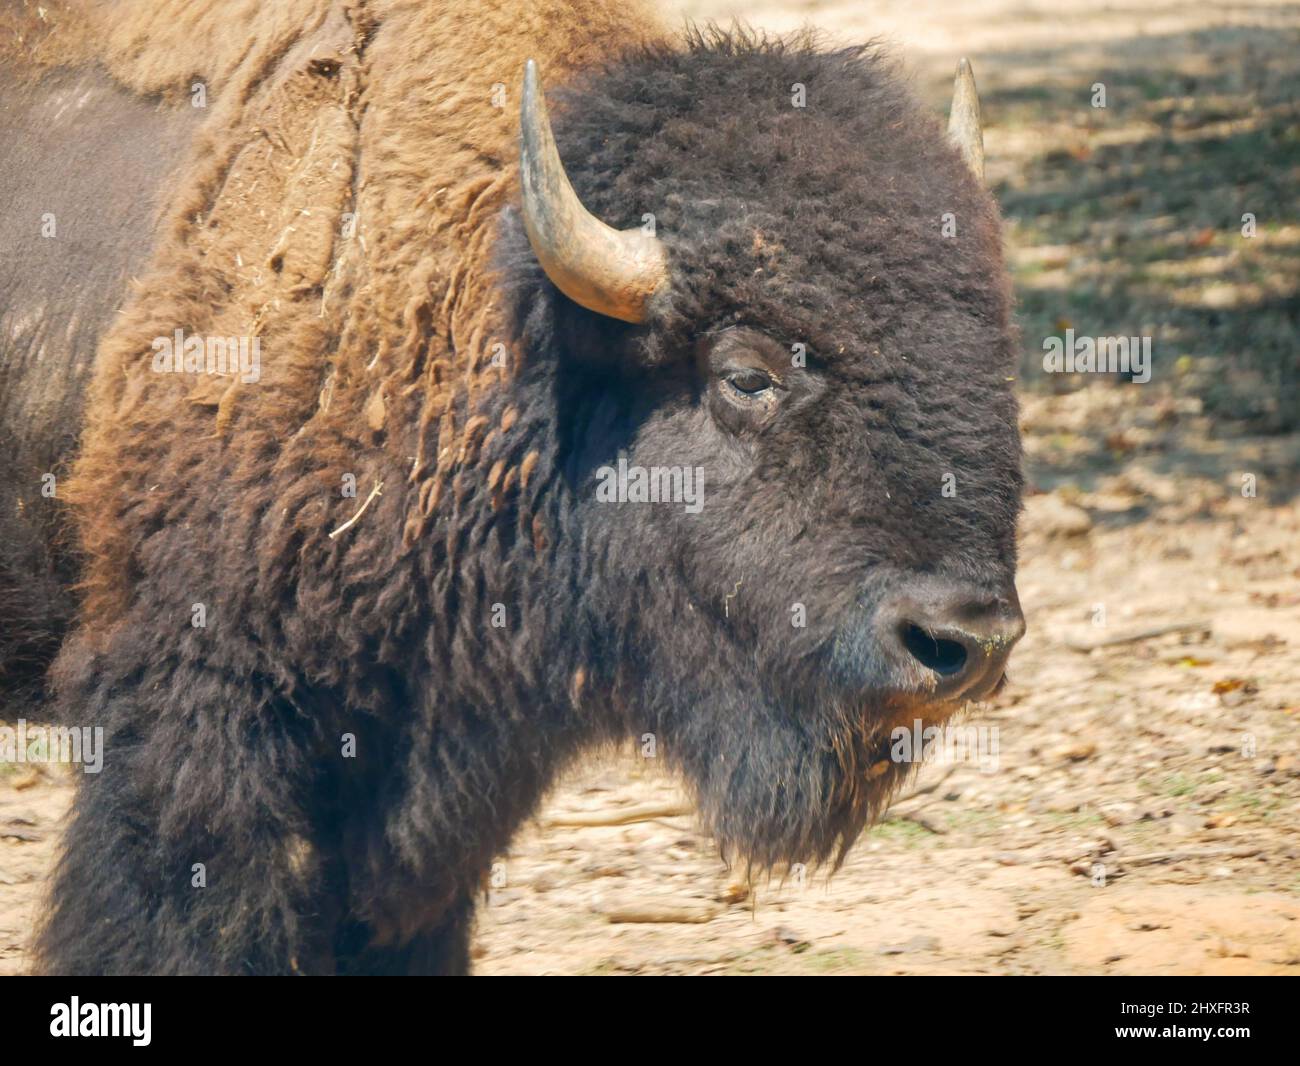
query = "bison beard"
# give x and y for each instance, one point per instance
(224, 744)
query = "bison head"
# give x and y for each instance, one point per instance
(784, 416)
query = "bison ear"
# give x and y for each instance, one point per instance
(607, 271)
(964, 127)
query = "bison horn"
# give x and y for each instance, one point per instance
(611, 272)
(964, 128)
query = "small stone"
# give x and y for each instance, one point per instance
(784, 936)
(1116, 814)
(1073, 752)
(915, 944)
(1051, 516)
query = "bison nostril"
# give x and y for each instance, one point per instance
(937, 639)
(944, 657)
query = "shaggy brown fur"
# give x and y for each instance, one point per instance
(318, 114)
(337, 205)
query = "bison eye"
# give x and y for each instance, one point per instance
(749, 383)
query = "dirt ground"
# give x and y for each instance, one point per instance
(1143, 815)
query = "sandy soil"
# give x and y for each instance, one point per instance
(1144, 812)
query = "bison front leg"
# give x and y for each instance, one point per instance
(441, 951)
(432, 809)
(195, 850)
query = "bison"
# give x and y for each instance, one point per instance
(438, 438)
